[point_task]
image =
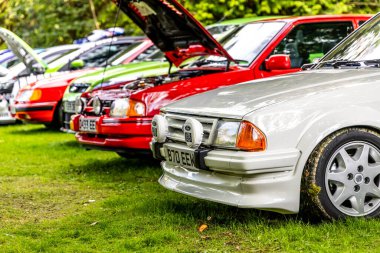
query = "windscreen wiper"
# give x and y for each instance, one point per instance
(208, 61)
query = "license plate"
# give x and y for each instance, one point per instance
(87, 125)
(185, 158)
(69, 106)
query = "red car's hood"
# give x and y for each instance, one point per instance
(111, 94)
(172, 29)
(60, 79)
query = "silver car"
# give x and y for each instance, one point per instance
(311, 137)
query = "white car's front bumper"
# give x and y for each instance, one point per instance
(261, 180)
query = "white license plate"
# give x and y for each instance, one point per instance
(69, 106)
(4, 115)
(87, 125)
(180, 157)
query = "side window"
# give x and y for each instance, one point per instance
(98, 55)
(362, 22)
(144, 55)
(309, 41)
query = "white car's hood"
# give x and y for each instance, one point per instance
(238, 100)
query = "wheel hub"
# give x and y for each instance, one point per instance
(358, 178)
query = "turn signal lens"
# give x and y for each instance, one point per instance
(136, 109)
(36, 95)
(72, 125)
(250, 138)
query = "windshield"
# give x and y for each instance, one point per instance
(245, 43)
(362, 45)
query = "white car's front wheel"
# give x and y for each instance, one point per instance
(342, 177)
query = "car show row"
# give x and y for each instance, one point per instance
(272, 113)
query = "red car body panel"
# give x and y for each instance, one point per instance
(172, 29)
(42, 111)
(135, 133)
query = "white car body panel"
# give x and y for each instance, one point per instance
(295, 112)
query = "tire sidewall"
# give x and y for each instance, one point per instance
(327, 153)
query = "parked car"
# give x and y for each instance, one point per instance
(274, 49)
(19, 74)
(96, 35)
(220, 29)
(58, 59)
(47, 106)
(145, 66)
(311, 137)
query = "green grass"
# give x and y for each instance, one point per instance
(57, 197)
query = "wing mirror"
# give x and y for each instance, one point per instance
(77, 64)
(278, 62)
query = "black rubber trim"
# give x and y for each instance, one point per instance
(200, 155)
(156, 151)
(32, 109)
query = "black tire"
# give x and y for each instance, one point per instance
(315, 200)
(57, 122)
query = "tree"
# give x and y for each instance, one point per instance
(46, 23)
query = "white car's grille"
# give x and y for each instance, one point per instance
(176, 122)
(69, 106)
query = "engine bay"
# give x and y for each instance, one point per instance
(149, 82)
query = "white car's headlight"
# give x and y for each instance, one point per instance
(241, 135)
(119, 108)
(80, 103)
(227, 134)
(97, 106)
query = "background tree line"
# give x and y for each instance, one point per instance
(51, 22)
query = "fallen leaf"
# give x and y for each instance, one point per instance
(202, 228)
(209, 218)
(91, 200)
(94, 223)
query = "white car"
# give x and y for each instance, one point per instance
(311, 137)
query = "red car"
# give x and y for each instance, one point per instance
(40, 102)
(252, 51)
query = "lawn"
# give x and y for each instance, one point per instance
(57, 197)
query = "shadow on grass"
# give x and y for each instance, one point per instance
(33, 131)
(114, 166)
(203, 211)
(72, 144)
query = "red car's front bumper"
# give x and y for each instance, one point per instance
(115, 134)
(36, 112)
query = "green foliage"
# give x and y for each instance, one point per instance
(212, 11)
(46, 23)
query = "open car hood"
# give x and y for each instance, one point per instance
(22, 50)
(172, 29)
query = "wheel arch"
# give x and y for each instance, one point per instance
(322, 127)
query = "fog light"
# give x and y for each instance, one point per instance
(97, 106)
(159, 129)
(79, 105)
(193, 131)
